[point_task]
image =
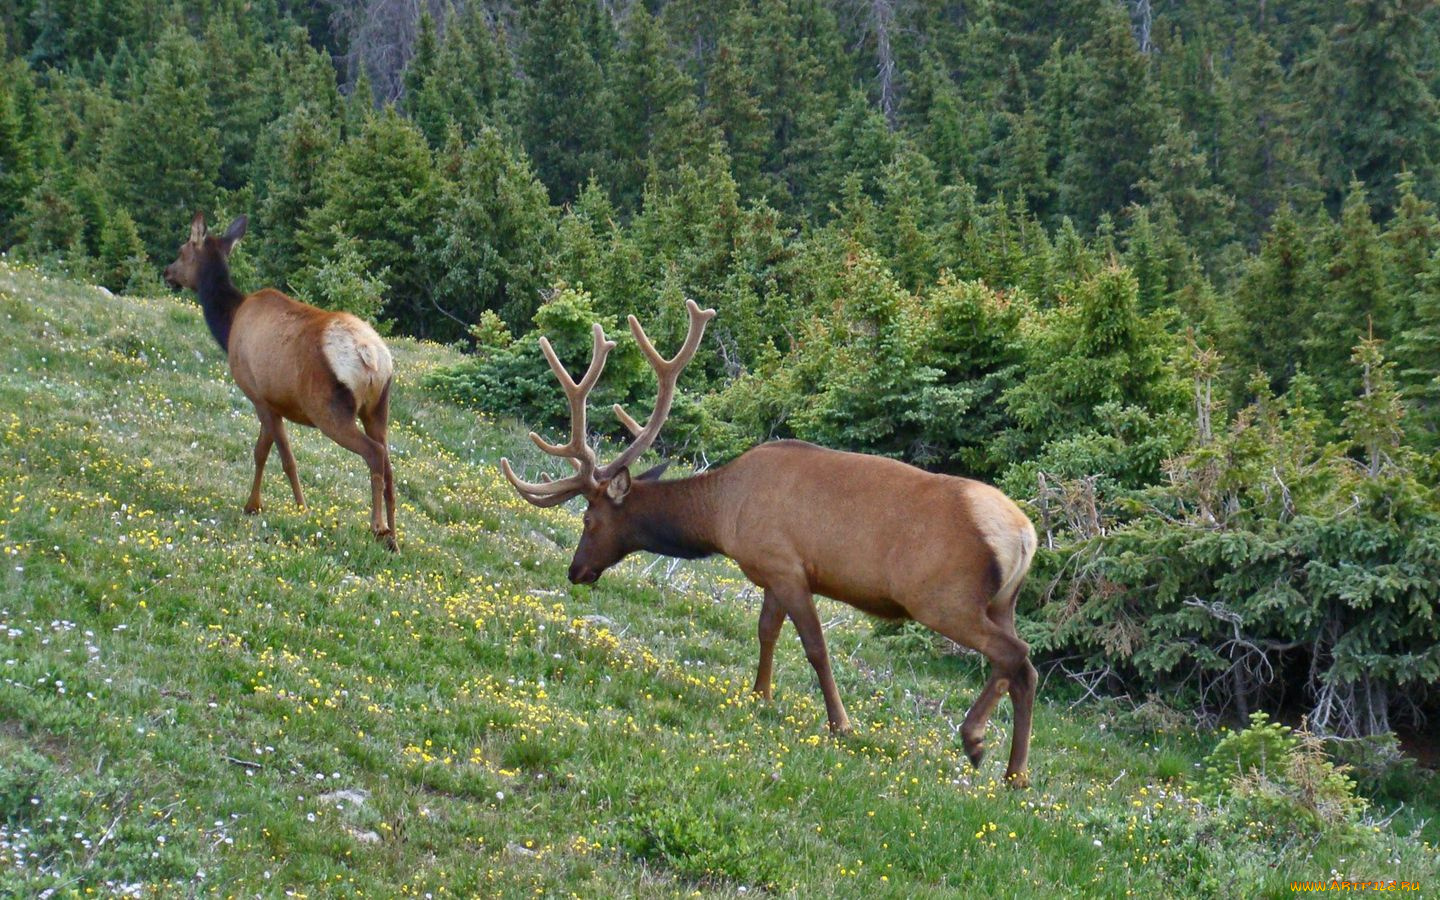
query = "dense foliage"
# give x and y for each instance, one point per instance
(1169, 272)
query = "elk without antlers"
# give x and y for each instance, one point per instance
(886, 538)
(296, 362)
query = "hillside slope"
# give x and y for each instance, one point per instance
(196, 701)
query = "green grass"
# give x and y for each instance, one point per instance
(187, 693)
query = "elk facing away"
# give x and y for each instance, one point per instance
(295, 362)
(885, 537)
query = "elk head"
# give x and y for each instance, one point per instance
(189, 262)
(606, 539)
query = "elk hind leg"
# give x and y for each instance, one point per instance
(972, 625)
(341, 429)
(375, 421)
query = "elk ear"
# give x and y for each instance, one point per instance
(197, 229)
(653, 474)
(618, 486)
(234, 233)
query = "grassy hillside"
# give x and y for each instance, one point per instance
(196, 701)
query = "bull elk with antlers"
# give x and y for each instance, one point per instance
(885, 537)
(296, 362)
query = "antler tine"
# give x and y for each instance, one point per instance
(576, 450)
(545, 493)
(667, 371)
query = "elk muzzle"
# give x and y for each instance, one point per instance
(581, 573)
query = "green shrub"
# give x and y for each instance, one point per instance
(1280, 777)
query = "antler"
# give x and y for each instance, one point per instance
(667, 372)
(581, 456)
(553, 493)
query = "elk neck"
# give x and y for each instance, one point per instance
(219, 298)
(677, 517)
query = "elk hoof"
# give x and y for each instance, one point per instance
(252, 509)
(974, 750)
(840, 729)
(1018, 781)
(387, 537)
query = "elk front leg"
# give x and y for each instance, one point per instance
(800, 606)
(262, 453)
(772, 617)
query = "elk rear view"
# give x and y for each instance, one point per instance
(885, 537)
(296, 362)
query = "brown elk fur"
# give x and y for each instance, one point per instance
(884, 537)
(311, 366)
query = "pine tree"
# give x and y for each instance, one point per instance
(1018, 166)
(1373, 419)
(237, 77)
(911, 217)
(1093, 353)
(160, 183)
(732, 109)
(493, 241)
(422, 100)
(649, 97)
(1372, 109)
(1177, 176)
(861, 145)
(381, 189)
(939, 120)
(793, 59)
(564, 122)
(1263, 161)
(1417, 355)
(861, 369)
(1117, 121)
(17, 164)
(1411, 239)
(67, 32)
(1274, 301)
(303, 74)
(290, 160)
(1354, 297)
(121, 261)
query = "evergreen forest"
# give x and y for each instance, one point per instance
(1166, 271)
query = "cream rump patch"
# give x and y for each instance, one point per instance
(1006, 531)
(357, 356)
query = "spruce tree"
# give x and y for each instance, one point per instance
(1264, 163)
(17, 165)
(1417, 357)
(421, 100)
(1118, 120)
(564, 121)
(493, 240)
(162, 182)
(1372, 110)
(1355, 298)
(733, 110)
(291, 158)
(381, 189)
(649, 95)
(1411, 238)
